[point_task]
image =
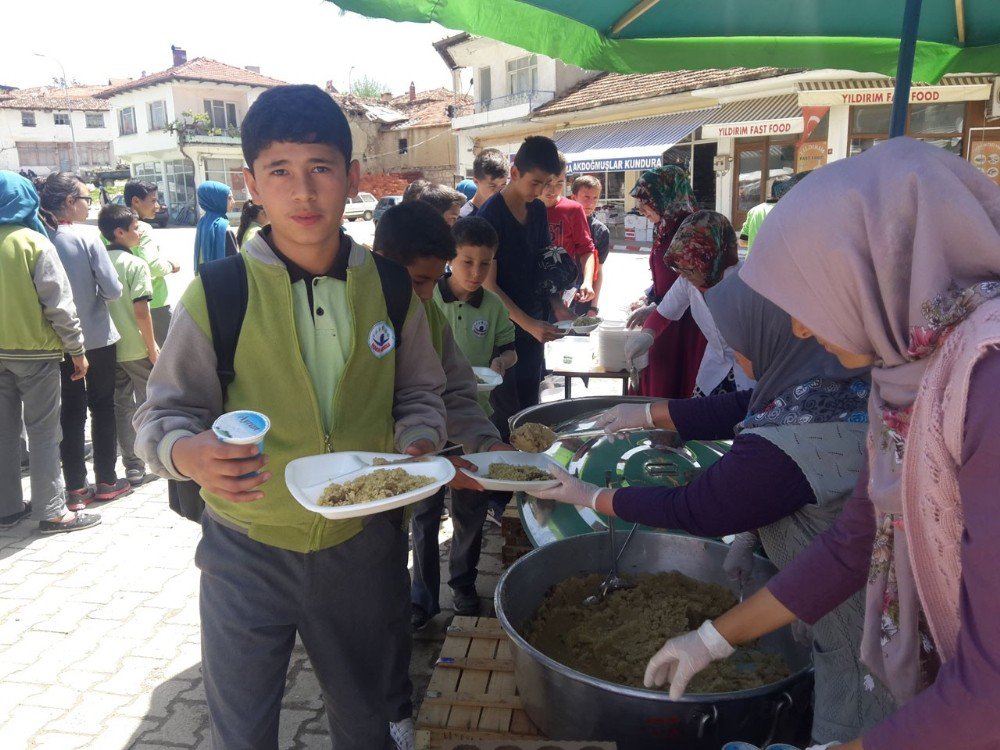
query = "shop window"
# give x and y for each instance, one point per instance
(945, 119)
(939, 124)
(27, 119)
(228, 172)
(758, 165)
(95, 119)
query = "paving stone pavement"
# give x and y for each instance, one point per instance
(99, 641)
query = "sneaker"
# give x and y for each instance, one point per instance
(135, 477)
(14, 518)
(403, 734)
(466, 601)
(112, 491)
(493, 517)
(79, 499)
(79, 522)
(418, 618)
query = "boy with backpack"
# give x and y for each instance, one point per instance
(319, 354)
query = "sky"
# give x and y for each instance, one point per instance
(297, 41)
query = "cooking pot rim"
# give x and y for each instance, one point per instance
(641, 693)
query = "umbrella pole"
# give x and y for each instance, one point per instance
(904, 68)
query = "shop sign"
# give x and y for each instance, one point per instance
(985, 156)
(614, 165)
(760, 128)
(918, 95)
(810, 155)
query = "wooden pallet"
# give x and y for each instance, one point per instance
(471, 694)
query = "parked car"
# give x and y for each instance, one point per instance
(385, 203)
(162, 216)
(362, 207)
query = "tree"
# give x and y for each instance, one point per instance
(367, 87)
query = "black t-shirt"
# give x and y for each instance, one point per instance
(517, 253)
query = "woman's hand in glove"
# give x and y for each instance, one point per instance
(639, 315)
(570, 490)
(625, 417)
(739, 560)
(683, 657)
(636, 348)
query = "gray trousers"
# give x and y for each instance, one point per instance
(348, 604)
(130, 393)
(33, 386)
(161, 322)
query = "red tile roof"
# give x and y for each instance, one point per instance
(618, 88)
(54, 97)
(198, 69)
(429, 108)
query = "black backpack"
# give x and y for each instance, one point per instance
(225, 284)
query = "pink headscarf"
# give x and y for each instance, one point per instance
(884, 254)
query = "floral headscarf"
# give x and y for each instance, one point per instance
(667, 190)
(884, 254)
(706, 242)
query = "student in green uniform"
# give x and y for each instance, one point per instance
(137, 349)
(141, 197)
(416, 236)
(317, 354)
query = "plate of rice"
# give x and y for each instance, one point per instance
(586, 323)
(349, 484)
(486, 379)
(512, 471)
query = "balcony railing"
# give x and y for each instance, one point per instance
(531, 98)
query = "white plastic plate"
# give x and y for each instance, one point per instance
(564, 325)
(308, 477)
(482, 462)
(492, 378)
(590, 328)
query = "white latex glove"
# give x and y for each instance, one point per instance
(635, 349)
(625, 417)
(683, 657)
(570, 490)
(639, 315)
(802, 633)
(739, 560)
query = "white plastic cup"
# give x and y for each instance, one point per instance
(242, 427)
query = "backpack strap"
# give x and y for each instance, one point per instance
(226, 294)
(397, 288)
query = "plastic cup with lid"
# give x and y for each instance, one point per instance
(242, 427)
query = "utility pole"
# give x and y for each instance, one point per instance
(69, 109)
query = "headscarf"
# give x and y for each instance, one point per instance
(19, 202)
(798, 381)
(667, 190)
(705, 241)
(466, 188)
(884, 254)
(210, 236)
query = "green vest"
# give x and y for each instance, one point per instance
(272, 378)
(23, 325)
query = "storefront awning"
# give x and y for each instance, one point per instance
(631, 144)
(880, 91)
(772, 116)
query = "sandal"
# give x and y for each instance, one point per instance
(80, 521)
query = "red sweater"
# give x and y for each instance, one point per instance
(569, 230)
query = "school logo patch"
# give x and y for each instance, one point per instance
(381, 339)
(481, 328)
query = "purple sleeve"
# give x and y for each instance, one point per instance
(711, 417)
(959, 708)
(753, 485)
(839, 557)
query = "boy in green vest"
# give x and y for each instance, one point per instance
(416, 236)
(137, 349)
(318, 355)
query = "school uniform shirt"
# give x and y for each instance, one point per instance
(518, 250)
(92, 279)
(137, 285)
(568, 229)
(718, 359)
(755, 217)
(481, 325)
(149, 250)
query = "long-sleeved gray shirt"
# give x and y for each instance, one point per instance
(93, 280)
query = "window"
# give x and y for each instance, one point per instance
(126, 121)
(939, 124)
(180, 184)
(522, 74)
(27, 119)
(404, 147)
(60, 118)
(95, 119)
(485, 84)
(59, 156)
(222, 114)
(157, 115)
(228, 172)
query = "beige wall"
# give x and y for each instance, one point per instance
(427, 148)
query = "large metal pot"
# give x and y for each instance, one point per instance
(569, 705)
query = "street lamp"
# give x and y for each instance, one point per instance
(69, 109)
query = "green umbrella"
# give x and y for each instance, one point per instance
(642, 36)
